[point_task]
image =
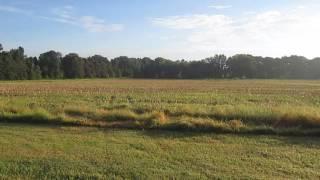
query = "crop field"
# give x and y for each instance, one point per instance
(197, 129)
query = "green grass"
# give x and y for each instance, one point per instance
(159, 129)
(44, 152)
(226, 106)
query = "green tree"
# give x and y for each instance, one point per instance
(314, 68)
(12, 65)
(73, 66)
(18, 64)
(295, 67)
(97, 66)
(242, 66)
(50, 64)
(215, 66)
(33, 68)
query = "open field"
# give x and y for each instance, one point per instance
(221, 106)
(46, 152)
(151, 129)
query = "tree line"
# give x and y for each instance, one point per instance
(15, 65)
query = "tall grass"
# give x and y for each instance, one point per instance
(240, 120)
(262, 107)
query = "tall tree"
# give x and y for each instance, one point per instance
(295, 67)
(19, 67)
(124, 66)
(12, 65)
(50, 64)
(314, 68)
(242, 66)
(97, 66)
(216, 65)
(73, 66)
(33, 69)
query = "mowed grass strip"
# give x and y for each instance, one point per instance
(46, 152)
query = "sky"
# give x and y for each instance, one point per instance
(174, 29)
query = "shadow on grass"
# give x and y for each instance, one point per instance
(271, 139)
(196, 136)
(41, 118)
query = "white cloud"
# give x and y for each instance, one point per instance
(192, 22)
(67, 15)
(59, 20)
(64, 12)
(269, 33)
(12, 9)
(93, 24)
(220, 7)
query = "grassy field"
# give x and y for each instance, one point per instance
(147, 129)
(44, 152)
(225, 106)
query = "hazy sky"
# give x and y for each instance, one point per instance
(176, 29)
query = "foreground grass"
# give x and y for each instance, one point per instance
(41, 152)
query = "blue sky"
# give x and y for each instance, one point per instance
(176, 29)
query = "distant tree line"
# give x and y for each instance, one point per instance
(15, 65)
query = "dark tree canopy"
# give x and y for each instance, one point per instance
(97, 66)
(73, 66)
(242, 66)
(52, 65)
(14, 65)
